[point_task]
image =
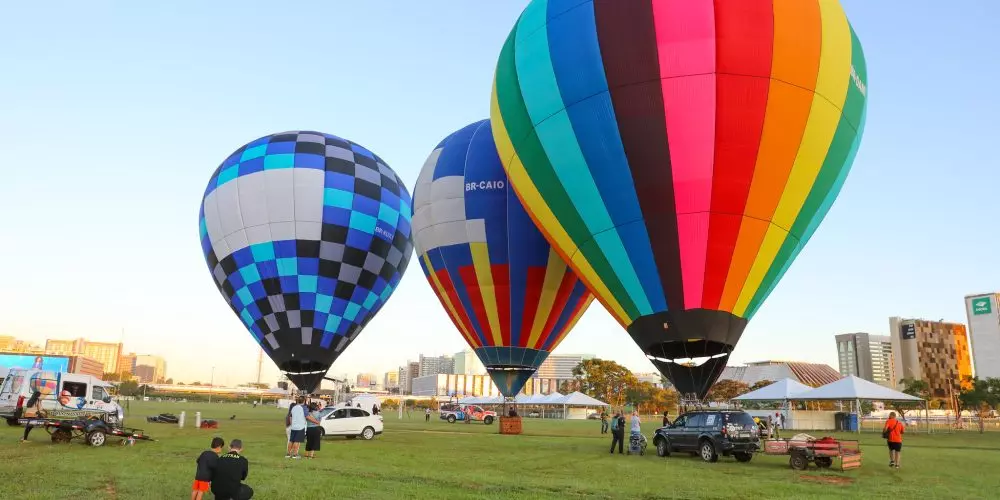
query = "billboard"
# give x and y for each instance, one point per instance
(908, 331)
(50, 363)
(984, 333)
(981, 305)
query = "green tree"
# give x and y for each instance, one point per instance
(913, 387)
(760, 384)
(726, 389)
(980, 397)
(605, 380)
(128, 388)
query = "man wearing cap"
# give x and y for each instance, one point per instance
(230, 472)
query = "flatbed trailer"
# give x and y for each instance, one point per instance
(92, 431)
(821, 452)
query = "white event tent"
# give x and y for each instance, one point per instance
(851, 388)
(567, 401)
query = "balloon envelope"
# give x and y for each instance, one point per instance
(680, 153)
(306, 235)
(506, 290)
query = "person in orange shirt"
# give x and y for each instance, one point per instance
(893, 434)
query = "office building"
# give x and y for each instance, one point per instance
(467, 363)
(811, 374)
(433, 365)
(106, 353)
(407, 373)
(454, 385)
(983, 312)
(866, 356)
(13, 345)
(154, 368)
(936, 352)
(390, 381)
(126, 365)
(366, 381)
(560, 366)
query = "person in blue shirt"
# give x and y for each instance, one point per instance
(297, 425)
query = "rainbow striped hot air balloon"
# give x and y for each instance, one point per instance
(680, 153)
(507, 291)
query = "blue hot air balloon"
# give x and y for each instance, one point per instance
(306, 235)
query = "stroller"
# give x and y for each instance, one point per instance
(637, 444)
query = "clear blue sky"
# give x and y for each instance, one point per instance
(113, 116)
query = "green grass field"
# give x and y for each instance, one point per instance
(413, 459)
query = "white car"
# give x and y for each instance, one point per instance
(350, 422)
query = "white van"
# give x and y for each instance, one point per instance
(60, 391)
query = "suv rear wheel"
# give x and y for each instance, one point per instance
(451, 419)
(707, 451)
(743, 456)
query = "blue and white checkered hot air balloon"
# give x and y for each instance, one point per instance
(306, 235)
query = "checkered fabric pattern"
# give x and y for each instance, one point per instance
(306, 235)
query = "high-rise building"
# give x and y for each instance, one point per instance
(866, 356)
(390, 381)
(126, 365)
(560, 366)
(983, 311)
(366, 380)
(153, 368)
(10, 344)
(107, 353)
(936, 352)
(467, 363)
(407, 373)
(433, 365)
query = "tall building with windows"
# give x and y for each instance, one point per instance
(933, 351)
(407, 373)
(866, 356)
(126, 365)
(433, 365)
(366, 380)
(150, 368)
(467, 363)
(560, 366)
(983, 312)
(107, 353)
(390, 381)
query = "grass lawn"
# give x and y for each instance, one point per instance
(413, 459)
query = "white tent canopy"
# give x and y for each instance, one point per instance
(854, 388)
(554, 399)
(782, 390)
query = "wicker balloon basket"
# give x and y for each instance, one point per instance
(510, 425)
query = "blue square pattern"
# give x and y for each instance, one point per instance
(365, 205)
(267, 269)
(332, 323)
(387, 214)
(359, 239)
(370, 300)
(326, 340)
(244, 295)
(243, 257)
(307, 284)
(236, 281)
(262, 252)
(307, 160)
(289, 284)
(338, 216)
(252, 165)
(273, 162)
(275, 148)
(253, 152)
(352, 311)
(250, 274)
(339, 306)
(287, 267)
(285, 249)
(309, 266)
(326, 286)
(333, 197)
(227, 175)
(307, 300)
(323, 302)
(257, 290)
(337, 180)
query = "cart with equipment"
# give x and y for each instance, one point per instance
(822, 452)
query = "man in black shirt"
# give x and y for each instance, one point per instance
(230, 471)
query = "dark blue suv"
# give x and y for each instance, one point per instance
(710, 433)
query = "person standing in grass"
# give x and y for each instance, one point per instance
(893, 434)
(314, 434)
(604, 422)
(206, 468)
(297, 426)
(618, 433)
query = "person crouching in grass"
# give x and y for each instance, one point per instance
(206, 468)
